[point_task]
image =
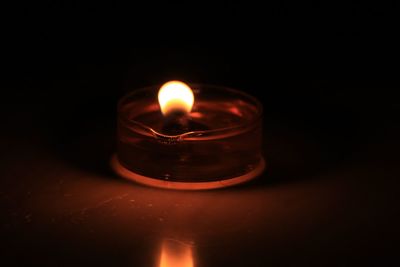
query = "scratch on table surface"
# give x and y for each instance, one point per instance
(102, 203)
(122, 196)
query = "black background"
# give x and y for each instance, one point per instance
(326, 73)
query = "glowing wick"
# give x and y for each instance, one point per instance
(175, 96)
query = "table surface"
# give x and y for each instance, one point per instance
(326, 199)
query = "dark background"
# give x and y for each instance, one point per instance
(326, 75)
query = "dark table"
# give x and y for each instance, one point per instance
(329, 196)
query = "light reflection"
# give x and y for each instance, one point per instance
(175, 253)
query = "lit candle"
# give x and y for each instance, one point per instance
(193, 137)
(176, 101)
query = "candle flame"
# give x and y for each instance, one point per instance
(175, 96)
(176, 254)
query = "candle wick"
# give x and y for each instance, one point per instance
(179, 122)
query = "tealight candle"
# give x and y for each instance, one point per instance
(194, 137)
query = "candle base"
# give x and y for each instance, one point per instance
(127, 174)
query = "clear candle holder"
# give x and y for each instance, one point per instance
(225, 153)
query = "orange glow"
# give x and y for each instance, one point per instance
(176, 254)
(175, 95)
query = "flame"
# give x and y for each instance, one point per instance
(175, 96)
(176, 254)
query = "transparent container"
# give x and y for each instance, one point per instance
(225, 150)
